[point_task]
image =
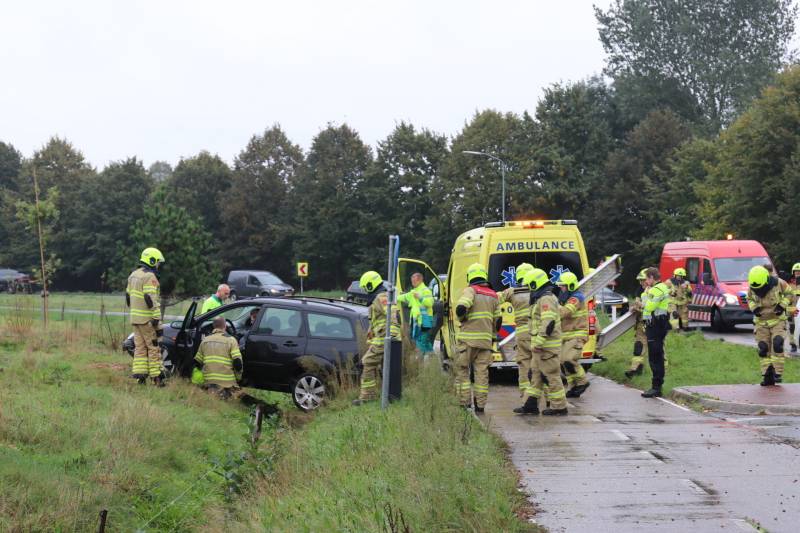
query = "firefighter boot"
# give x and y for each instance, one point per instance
(555, 412)
(531, 407)
(577, 390)
(655, 392)
(478, 409)
(769, 377)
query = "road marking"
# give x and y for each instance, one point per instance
(674, 404)
(620, 435)
(695, 487)
(742, 419)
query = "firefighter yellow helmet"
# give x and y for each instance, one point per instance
(522, 269)
(152, 257)
(569, 280)
(795, 267)
(642, 275)
(679, 272)
(758, 277)
(536, 278)
(476, 272)
(370, 281)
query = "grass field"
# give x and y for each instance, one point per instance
(77, 436)
(693, 360)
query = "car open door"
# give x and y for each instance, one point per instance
(405, 268)
(184, 342)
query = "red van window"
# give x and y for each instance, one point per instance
(692, 269)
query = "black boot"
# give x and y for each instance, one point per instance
(574, 392)
(778, 378)
(793, 347)
(555, 412)
(477, 408)
(578, 390)
(635, 372)
(531, 407)
(769, 377)
(652, 393)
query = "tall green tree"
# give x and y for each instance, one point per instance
(721, 53)
(199, 184)
(191, 267)
(160, 171)
(113, 202)
(10, 165)
(327, 206)
(255, 210)
(397, 194)
(753, 186)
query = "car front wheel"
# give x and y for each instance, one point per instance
(308, 392)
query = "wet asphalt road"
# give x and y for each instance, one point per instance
(620, 462)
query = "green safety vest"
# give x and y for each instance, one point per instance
(656, 301)
(423, 306)
(211, 303)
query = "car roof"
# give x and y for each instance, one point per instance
(310, 303)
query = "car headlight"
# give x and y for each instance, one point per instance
(274, 292)
(731, 299)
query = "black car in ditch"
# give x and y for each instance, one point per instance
(300, 345)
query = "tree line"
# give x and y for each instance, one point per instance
(693, 131)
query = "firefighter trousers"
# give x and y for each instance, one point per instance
(146, 354)
(480, 359)
(524, 359)
(571, 352)
(546, 365)
(371, 364)
(771, 343)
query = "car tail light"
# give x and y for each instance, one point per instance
(592, 318)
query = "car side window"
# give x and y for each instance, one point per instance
(280, 322)
(692, 269)
(252, 280)
(329, 326)
(708, 276)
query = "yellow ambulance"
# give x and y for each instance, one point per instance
(555, 246)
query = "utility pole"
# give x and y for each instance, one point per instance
(41, 246)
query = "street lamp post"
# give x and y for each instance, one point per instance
(502, 174)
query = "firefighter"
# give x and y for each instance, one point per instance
(478, 310)
(143, 297)
(545, 327)
(519, 297)
(640, 338)
(769, 304)
(794, 283)
(680, 293)
(216, 299)
(218, 357)
(655, 314)
(574, 333)
(372, 283)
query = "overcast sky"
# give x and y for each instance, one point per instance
(164, 80)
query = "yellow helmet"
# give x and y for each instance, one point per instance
(152, 257)
(642, 275)
(370, 281)
(795, 267)
(476, 271)
(758, 277)
(522, 269)
(536, 278)
(569, 280)
(679, 272)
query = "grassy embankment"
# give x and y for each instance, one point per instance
(77, 436)
(693, 360)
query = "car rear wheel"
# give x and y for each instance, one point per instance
(308, 392)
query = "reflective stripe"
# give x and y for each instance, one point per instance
(574, 334)
(557, 395)
(473, 315)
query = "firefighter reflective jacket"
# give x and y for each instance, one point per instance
(680, 291)
(377, 321)
(546, 323)
(144, 293)
(216, 355)
(574, 317)
(483, 309)
(763, 307)
(520, 300)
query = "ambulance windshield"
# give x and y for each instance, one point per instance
(731, 269)
(502, 267)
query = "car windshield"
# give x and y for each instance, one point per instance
(268, 278)
(502, 267)
(736, 268)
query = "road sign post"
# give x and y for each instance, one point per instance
(302, 272)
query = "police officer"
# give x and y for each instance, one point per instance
(769, 304)
(640, 338)
(372, 283)
(545, 343)
(218, 357)
(520, 299)
(478, 310)
(574, 333)
(143, 296)
(680, 293)
(794, 284)
(656, 319)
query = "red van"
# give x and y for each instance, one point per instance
(717, 271)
